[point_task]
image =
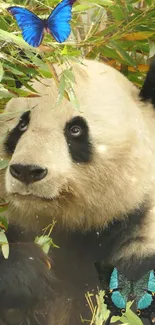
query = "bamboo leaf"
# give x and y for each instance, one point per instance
(122, 53)
(3, 163)
(1, 71)
(3, 222)
(11, 38)
(4, 244)
(68, 74)
(136, 36)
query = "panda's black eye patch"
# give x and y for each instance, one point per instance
(15, 134)
(77, 136)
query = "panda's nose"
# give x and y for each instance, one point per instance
(28, 173)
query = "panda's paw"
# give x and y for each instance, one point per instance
(24, 276)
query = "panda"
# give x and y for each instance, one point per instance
(92, 170)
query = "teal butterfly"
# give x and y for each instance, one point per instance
(117, 296)
(142, 290)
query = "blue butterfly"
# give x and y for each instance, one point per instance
(33, 27)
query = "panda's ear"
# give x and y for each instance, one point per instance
(147, 92)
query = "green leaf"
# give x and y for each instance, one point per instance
(3, 209)
(65, 50)
(3, 163)
(149, 2)
(102, 2)
(3, 222)
(1, 71)
(132, 318)
(4, 244)
(11, 38)
(45, 242)
(4, 93)
(73, 98)
(83, 7)
(61, 89)
(151, 49)
(122, 53)
(129, 317)
(102, 313)
(13, 69)
(117, 12)
(5, 250)
(92, 3)
(44, 72)
(69, 75)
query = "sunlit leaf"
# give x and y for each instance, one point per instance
(5, 250)
(4, 93)
(61, 88)
(136, 36)
(45, 242)
(68, 74)
(73, 98)
(151, 49)
(91, 3)
(4, 244)
(11, 38)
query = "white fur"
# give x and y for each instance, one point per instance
(121, 173)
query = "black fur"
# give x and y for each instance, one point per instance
(14, 135)
(26, 282)
(118, 236)
(80, 147)
(147, 92)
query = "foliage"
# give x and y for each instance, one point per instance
(45, 241)
(100, 313)
(4, 245)
(119, 32)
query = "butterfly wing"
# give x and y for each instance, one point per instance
(145, 301)
(59, 20)
(113, 280)
(31, 25)
(144, 298)
(151, 282)
(119, 289)
(118, 300)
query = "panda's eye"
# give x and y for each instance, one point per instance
(75, 131)
(23, 126)
(16, 133)
(77, 136)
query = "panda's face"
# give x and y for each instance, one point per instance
(45, 150)
(50, 150)
(77, 166)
